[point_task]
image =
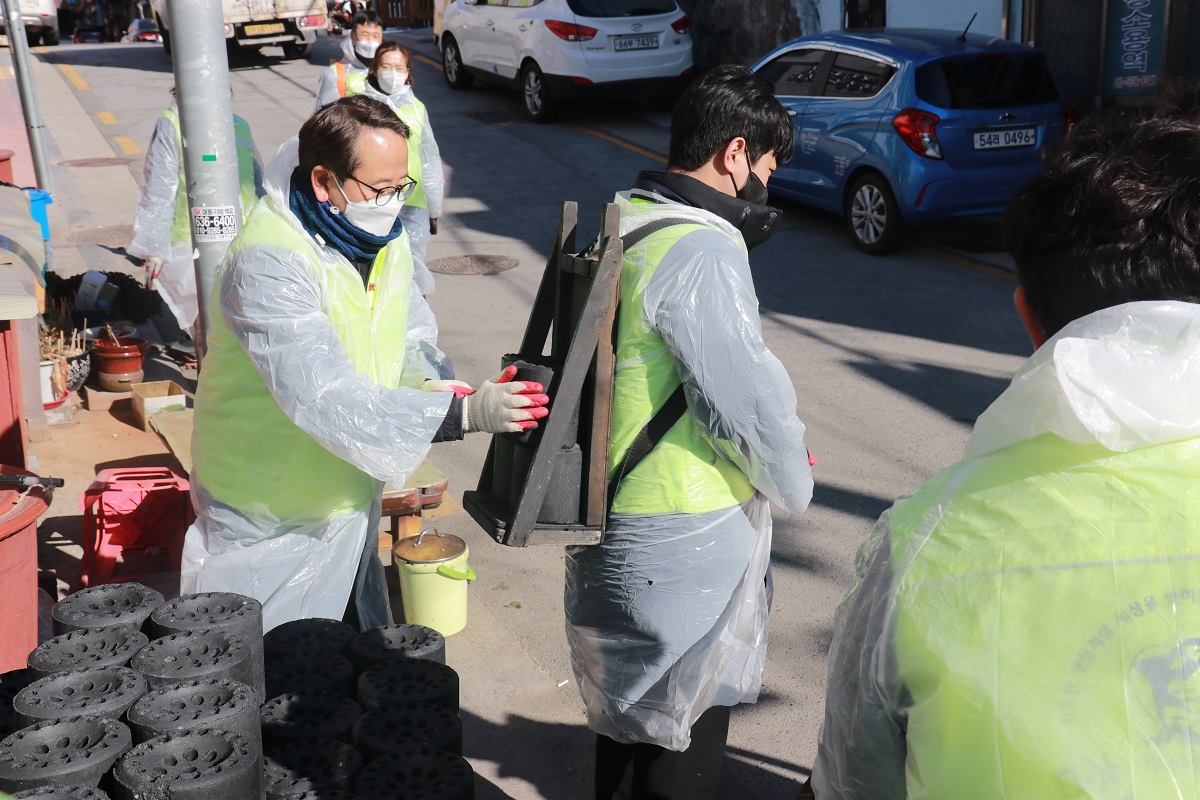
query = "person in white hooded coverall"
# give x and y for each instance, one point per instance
(667, 618)
(389, 80)
(162, 233)
(1026, 624)
(347, 76)
(319, 381)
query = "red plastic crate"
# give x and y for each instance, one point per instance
(134, 511)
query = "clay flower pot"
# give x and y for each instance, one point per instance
(119, 366)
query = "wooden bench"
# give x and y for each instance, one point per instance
(403, 507)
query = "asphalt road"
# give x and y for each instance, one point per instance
(892, 359)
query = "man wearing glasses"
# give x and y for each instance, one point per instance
(320, 381)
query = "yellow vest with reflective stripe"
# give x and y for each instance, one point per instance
(1049, 631)
(348, 80)
(247, 452)
(181, 230)
(682, 474)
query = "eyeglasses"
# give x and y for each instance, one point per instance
(384, 196)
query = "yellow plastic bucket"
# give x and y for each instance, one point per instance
(433, 580)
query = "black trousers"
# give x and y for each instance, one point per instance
(650, 772)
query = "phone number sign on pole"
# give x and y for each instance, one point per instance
(217, 224)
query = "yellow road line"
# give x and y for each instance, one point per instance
(427, 60)
(970, 263)
(621, 143)
(74, 77)
(106, 117)
(128, 145)
(6, 73)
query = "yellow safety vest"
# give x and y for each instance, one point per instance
(246, 451)
(682, 474)
(181, 229)
(413, 115)
(1049, 631)
(348, 81)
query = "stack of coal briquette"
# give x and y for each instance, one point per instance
(138, 698)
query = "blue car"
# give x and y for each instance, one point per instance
(897, 127)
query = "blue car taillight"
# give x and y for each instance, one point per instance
(918, 129)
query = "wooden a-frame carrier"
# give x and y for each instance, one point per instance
(575, 311)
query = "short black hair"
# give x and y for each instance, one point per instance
(329, 138)
(722, 104)
(1113, 218)
(366, 18)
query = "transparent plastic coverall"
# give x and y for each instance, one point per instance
(668, 616)
(427, 202)
(315, 336)
(1027, 623)
(354, 74)
(158, 228)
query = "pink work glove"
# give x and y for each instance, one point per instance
(502, 405)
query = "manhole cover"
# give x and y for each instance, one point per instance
(472, 265)
(96, 162)
(494, 117)
(108, 236)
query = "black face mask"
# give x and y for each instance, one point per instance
(758, 221)
(753, 190)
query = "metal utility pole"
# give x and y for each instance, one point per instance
(35, 126)
(210, 159)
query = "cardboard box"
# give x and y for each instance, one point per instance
(151, 398)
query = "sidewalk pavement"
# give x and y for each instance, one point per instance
(523, 724)
(94, 190)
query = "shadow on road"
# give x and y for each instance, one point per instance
(558, 760)
(141, 56)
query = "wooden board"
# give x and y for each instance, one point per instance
(573, 315)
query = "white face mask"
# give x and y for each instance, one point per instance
(375, 219)
(366, 49)
(393, 82)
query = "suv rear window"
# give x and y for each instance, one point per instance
(621, 8)
(986, 82)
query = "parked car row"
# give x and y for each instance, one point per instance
(40, 19)
(556, 51)
(898, 127)
(143, 30)
(893, 127)
(86, 34)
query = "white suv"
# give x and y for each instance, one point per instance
(561, 50)
(41, 21)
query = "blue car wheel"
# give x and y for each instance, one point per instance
(872, 215)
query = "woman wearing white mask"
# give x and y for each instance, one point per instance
(389, 79)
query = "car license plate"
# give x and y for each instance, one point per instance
(635, 43)
(1009, 137)
(262, 30)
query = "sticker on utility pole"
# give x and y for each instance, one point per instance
(218, 224)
